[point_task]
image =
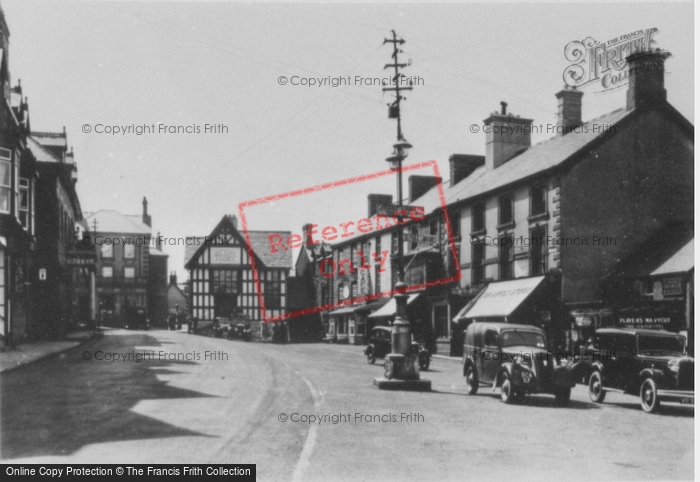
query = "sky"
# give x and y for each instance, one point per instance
(108, 63)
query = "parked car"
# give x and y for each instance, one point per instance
(239, 331)
(380, 345)
(648, 363)
(514, 358)
(220, 328)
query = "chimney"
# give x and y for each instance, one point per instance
(462, 166)
(173, 278)
(145, 217)
(419, 185)
(507, 136)
(373, 200)
(646, 79)
(568, 109)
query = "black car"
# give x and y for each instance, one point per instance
(380, 346)
(648, 363)
(239, 331)
(514, 358)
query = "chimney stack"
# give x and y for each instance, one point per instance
(145, 217)
(373, 200)
(419, 185)
(646, 79)
(506, 137)
(233, 219)
(462, 166)
(568, 109)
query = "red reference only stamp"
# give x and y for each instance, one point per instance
(369, 259)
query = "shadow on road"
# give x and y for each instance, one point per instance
(57, 406)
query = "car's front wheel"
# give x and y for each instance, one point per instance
(472, 382)
(507, 392)
(649, 396)
(595, 388)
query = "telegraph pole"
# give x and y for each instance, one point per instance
(401, 369)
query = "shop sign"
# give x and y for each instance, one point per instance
(672, 286)
(224, 255)
(650, 322)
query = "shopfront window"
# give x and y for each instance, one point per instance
(441, 323)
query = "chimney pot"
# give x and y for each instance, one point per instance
(503, 107)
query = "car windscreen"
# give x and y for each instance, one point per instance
(527, 338)
(660, 344)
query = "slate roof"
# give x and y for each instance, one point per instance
(261, 247)
(41, 154)
(110, 221)
(51, 138)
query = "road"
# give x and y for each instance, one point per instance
(227, 409)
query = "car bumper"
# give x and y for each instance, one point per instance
(676, 394)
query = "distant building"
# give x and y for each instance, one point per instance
(62, 262)
(177, 299)
(223, 281)
(125, 283)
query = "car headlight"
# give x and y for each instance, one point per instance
(674, 365)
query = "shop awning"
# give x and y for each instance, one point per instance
(467, 307)
(389, 309)
(680, 262)
(501, 298)
(345, 310)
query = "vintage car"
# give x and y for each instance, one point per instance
(648, 363)
(380, 345)
(514, 358)
(239, 331)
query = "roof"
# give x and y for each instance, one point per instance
(110, 221)
(51, 138)
(500, 326)
(261, 247)
(41, 154)
(681, 262)
(259, 243)
(502, 298)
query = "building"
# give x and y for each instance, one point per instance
(581, 202)
(224, 270)
(177, 299)
(158, 286)
(17, 187)
(124, 280)
(61, 261)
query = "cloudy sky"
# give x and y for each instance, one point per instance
(196, 63)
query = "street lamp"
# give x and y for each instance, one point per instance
(400, 364)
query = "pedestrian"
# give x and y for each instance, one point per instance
(171, 322)
(188, 319)
(195, 321)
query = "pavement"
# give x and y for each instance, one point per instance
(26, 353)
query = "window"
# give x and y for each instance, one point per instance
(455, 223)
(491, 338)
(394, 242)
(414, 237)
(107, 272)
(505, 257)
(478, 255)
(434, 226)
(538, 251)
(107, 250)
(538, 200)
(129, 272)
(24, 214)
(273, 291)
(225, 281)
(505, 209)
(5, 180)
(129, 251)
(478, 217)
